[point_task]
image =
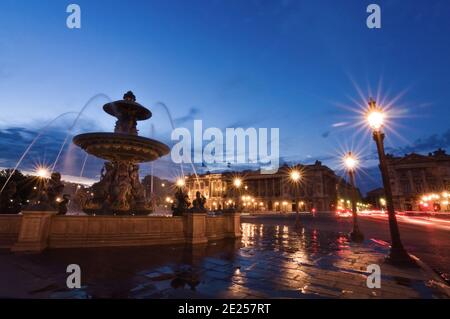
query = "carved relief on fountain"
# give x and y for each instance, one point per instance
(119, 190)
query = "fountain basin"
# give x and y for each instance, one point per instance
(121, 147)
(124, 108)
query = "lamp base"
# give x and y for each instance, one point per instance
(356, 236)
(399, 257)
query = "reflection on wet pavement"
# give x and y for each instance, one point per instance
(270, 261)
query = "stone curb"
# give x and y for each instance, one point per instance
(436, 279)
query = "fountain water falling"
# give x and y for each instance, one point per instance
(75, 123)
(84, 164)
(169, 115)
(40, 133)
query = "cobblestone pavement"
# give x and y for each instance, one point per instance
(272, 260)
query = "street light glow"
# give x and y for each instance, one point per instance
(375, 116)
(350, 161)
(180, 182)
(237, 182)
(375, 119)
(42, 172)
(295, 175)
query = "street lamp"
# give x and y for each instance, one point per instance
(42, 172)
(237, 182)
(180, 182)
(295, 178)
(398, 254)
(351, 162)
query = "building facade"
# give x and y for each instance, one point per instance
(319, 189)
(420, 182)
(376, 198)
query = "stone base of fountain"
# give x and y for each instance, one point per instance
(103, 211)
(36, 231)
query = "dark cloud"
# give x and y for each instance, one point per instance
(426, 144)
(189, 117)
(244, 123)
(15, 140)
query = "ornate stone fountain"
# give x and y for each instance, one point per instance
(119, 190)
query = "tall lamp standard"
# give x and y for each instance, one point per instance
(351, 162)
(237, 183)
(295, 178)
(180, 183)
(398, 254)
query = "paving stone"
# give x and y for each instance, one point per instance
(268, 265)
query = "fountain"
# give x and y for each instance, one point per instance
(119, 190)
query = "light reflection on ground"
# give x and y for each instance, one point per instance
(272, 259)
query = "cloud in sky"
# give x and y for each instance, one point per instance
(15, 139)
(191, 115)
(424, 144)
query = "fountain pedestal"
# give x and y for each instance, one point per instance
(34, 230)
(196, 228)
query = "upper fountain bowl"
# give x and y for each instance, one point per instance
(121, 147)
(127, 108)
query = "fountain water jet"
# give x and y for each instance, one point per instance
(169, 115)
(40, 133)
(75, 123)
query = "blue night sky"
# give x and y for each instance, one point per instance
(285, 64)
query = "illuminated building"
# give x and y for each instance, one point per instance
(415, 176)
(319, 188)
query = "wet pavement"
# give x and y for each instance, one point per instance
(430, 241)
(272, 260)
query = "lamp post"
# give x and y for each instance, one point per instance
(398, 254)
(295, 178)
(351, 162)
(237, 183)
(180, 182)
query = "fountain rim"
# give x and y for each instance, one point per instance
(82, 141)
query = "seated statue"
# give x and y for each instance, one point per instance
(198, 203)
(62, 207)
(54, 188)
(181, 204)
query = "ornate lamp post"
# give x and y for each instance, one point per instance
(398, 254)
(351, 162)
(295, 178)
(180, 183)
(237, 183)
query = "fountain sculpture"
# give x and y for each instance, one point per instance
(119, 190)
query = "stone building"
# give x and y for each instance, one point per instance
(319, 189)
(376, 198)
(420, 182)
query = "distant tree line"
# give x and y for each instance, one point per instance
(19, 189)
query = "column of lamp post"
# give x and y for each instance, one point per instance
(351, 162)
(295, 178)
(237, 183)
(397, 254)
